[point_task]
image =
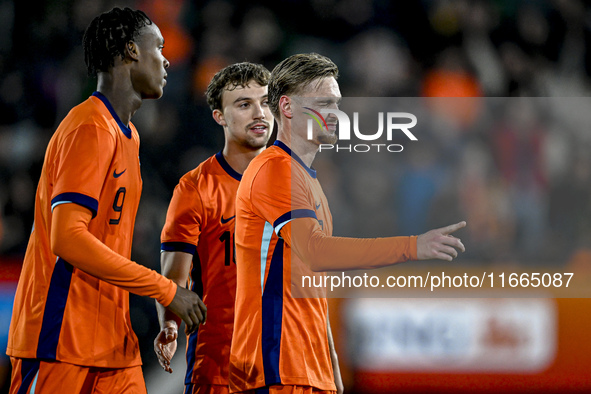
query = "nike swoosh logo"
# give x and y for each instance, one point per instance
(318, 206)
(224, 221)
(118, 175)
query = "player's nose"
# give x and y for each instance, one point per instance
(259, 112)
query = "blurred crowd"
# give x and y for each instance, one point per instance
(516, 168)
(525, 180)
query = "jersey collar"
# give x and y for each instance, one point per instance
(126, 130)
(286, 148)
(222, 160)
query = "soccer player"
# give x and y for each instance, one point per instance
(198, 237)
(70, 330)
(283, 343)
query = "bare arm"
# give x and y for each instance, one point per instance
(338, 380)
(175, 266)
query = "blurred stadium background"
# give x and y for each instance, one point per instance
(522, 180)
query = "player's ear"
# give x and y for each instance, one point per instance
(131, 50)
(218, 116)
(285, 107)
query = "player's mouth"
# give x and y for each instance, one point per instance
(332, 127)
(164, 79)
(260, 128)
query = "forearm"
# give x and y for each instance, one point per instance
(324, 253)
(175, 266)
(331, 347)
(70, 227)
(341, 254)
(338, 380)
(166, 317)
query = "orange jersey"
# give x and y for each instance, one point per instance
(61, 312)
(278, 338)
(200, 221)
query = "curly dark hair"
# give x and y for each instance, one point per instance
(233, 76)
(106, 37)
(296, 72)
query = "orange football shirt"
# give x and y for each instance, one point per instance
(280, 328)
(278, 339)
(61, 312)
(200, 221)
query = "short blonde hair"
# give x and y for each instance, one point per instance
(296, 72)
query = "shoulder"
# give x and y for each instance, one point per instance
(198, 174)
(269, 174)
(93, 112)
(272, 162)
(87, 117)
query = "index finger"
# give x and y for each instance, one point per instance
(453, 227)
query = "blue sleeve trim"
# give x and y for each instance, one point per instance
(295, 214)
(289, 216)
(76, 198)
(178, 247)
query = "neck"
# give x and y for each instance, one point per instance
(118, 90)
(238, 157)
(302, 147)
